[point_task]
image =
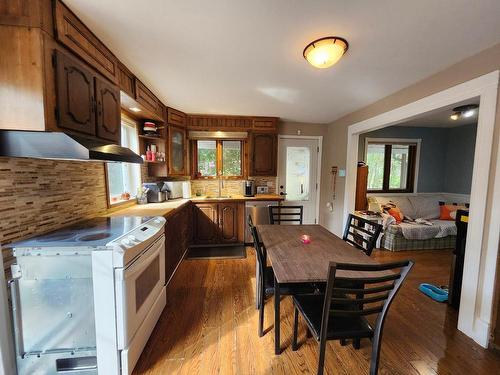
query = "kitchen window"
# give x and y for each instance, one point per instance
(124, 179)
(218, 158)
(392, 165)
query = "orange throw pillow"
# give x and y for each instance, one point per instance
(396, 213)
(449, 211)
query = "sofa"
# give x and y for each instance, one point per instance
(408, 235)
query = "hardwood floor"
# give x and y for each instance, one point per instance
(210, 327)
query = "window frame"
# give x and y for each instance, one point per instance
(132, 123)
(413, 163)
(218, 161)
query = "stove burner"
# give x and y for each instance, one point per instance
(56, 237)
(95, 236)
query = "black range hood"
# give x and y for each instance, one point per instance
(58, 145)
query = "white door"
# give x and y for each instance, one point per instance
(298, 162)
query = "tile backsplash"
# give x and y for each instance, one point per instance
(230, 187)
(38, 196)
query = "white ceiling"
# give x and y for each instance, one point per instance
(245, 56)
(440, 118)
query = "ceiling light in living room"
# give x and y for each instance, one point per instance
(464, 111)
(325, 52)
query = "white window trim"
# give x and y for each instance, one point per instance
(418, 141)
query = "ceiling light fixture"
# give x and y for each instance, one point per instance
(135, 109)
(464, 111)
(325, 52)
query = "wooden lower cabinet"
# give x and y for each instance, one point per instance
(228, 222)
(218, 223)
(178, 237)
(206, 223)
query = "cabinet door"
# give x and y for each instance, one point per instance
(146, 98)
(176, 151)
(263, 154)
(265, 124)
(228, 222)
(169, 248)
(175, 117)
(108, 111)
(75, 95)
(126, 80)
(206, 223)
(76, 36)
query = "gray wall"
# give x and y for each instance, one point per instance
(446, 155)
(460, 159)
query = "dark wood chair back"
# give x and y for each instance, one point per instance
(259, 250)
(363, 296)
(361, 233)
(286, 214)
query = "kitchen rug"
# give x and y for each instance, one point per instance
(217, 252)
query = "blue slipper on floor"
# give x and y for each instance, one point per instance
(435, 292)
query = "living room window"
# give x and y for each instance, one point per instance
(218, 158)
(391, 165)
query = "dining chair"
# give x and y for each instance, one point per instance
(340, 313)
(257, 268)
(266, 278)
(361, 233)
(286, 214)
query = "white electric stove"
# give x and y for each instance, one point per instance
(87, 297)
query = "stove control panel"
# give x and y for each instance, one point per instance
(142, 233)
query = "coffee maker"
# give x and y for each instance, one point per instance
(249, 188)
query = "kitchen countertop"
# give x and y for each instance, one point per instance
(169, 207)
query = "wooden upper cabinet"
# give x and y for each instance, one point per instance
(263, 123)
(228, 222)
(108, 111)
(177, 146)
(126, 80)
(146, 98)
(216, 122)
(76, 36)
(75, 95)
(232, 123)
(263, 153)
(30, 13)
(175, 117)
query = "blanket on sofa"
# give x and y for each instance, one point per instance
(438, 229)
(416, 231)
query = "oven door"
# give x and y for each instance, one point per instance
(137, 288)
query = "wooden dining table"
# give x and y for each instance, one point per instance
(295, 262)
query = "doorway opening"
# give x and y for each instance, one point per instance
(475, 315)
